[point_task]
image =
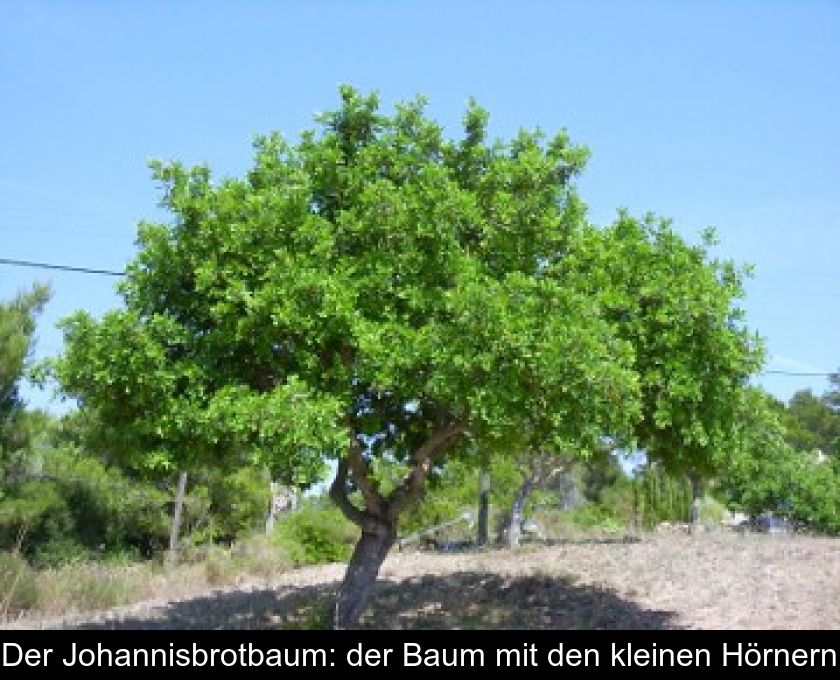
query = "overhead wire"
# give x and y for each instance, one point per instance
(111, 272)
(59, 267)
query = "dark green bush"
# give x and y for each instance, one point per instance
(77, 507)
(224, 506)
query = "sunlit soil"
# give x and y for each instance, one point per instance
(716, 580)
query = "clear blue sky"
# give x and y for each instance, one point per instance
(713, 113)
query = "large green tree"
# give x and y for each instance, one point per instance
(376, 294)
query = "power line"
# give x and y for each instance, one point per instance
(109, 272)
(59, 267)
(795, 373)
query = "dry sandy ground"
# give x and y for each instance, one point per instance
(674, 581)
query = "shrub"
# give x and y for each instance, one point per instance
(315, 534)
(18, 585)
(257, 556)
(787, 483)
(225, 506)
(712, 511)
(78, 507)
(596, 516)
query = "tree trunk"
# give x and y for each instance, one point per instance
(360, 577)
(378, 521)
(637, 515)
(176, 517)
(539, 472)
(515, 528)
(518, 507)
(696, 495)
(272, 507)
(483, 506)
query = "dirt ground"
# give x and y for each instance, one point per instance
(718, 580)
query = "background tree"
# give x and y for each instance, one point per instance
(678, 308)
(832, 400)
(811, 423)
(766, 474)
(17, 325)
(378, 295)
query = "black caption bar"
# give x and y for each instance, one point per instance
(357, 652)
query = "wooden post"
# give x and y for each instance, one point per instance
(483, 506)
(176, 517)
(696, 493)
(272, 507)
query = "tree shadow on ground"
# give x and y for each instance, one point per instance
(462, 600)
(592, 540)
(434, 546)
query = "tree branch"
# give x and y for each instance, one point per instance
(361, 476)
(421, 462)
(547, 465)
(338, 494)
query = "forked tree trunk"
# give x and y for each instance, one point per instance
(360, 577)
(378, 521)
(483, 506)
(536, 475)
(541, 470)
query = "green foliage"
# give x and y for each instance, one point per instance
(76, 507)
(70, 506)
(811, 423)
(621, 499)
(373, 266)
(600, 473)
(317, 533)
(379, 284)
(597, 516)
(791, 485)
(768, 475)
(454, 491)
(678, 308)
(712, 511)
(17, 324)
(662, 497)
(221, 506)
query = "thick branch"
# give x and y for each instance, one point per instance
(361, 477)
(537, 474)
(548, 465)
(421, 462)
(338, 494)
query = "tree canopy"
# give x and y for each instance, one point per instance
(678, 308)
(378, 293)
